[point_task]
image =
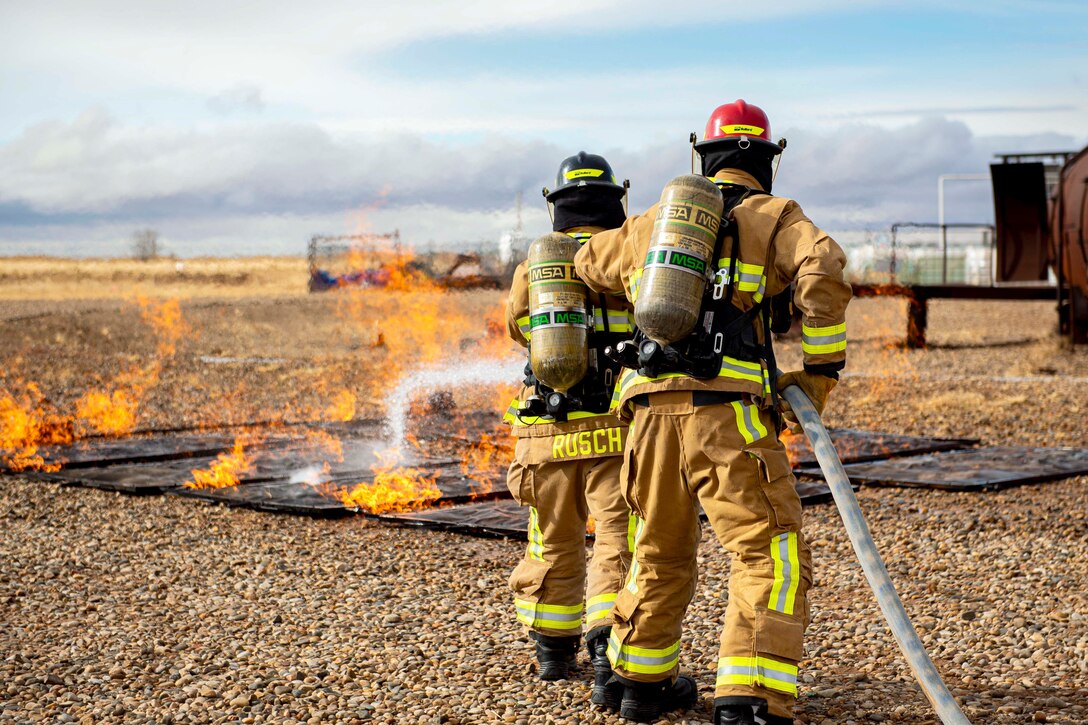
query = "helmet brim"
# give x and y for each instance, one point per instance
(714, 144)
(571, 188)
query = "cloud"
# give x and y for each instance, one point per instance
(242, 97)
(61, 179)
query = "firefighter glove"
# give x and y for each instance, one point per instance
(816, 387)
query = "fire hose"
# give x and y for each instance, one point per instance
(875, 572)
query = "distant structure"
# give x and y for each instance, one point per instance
(513, 245)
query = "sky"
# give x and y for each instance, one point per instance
(246, 127)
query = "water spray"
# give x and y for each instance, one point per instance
(443, 377)
(875, 572)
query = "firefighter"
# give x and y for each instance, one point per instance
(704, 422)
(567, 462)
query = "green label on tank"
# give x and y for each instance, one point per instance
(558, 317)
(687, 261)
(657, 255)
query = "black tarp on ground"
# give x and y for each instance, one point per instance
(977, 469)
(97, 452)
(507, 519)
(279, 496)
(855, 446)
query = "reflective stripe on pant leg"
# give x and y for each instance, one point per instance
(599, 610)
(536, 538)
(643, 660)
(632, 585)
(549, 616)
(748, 422)
(787, 572)
(758, 671)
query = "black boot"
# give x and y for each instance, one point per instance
(556, 655)
(647, 701)
(745, 711)
(604, 695)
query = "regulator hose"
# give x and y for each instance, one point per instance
(871, 563)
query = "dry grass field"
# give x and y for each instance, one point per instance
(121, 609)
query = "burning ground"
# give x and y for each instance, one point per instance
(139, 609)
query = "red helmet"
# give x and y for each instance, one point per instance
(738, 123)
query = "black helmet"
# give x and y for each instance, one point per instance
(581, 171)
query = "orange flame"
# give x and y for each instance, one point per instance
(27, 422)
(114, 411)
(227, 469)
(482, 461)
(342, 406)
(394, 488)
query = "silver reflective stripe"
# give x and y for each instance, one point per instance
(598, 607)
(757, 432)
(823, 339)
(550, 616)
(764, 672)
(787, 571)
(739, 369)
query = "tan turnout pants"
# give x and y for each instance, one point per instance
(726, 457)
(551, 581)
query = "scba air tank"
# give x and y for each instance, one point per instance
(674, 274)
(559, 349)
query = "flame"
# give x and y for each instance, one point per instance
(394, 488)
(108, 413)
(591, 524)
(165, 320)
(227, 469)
(114, 411)
(482, 461)
(28, 422)
(342, 406)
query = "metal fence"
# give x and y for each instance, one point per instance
(922, 254)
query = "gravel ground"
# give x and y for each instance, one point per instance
(122, 609)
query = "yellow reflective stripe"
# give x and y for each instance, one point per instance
(731, 368)
(511, 416)
(823, 340)
(549, 616)
(536, 537)
(644, 660)
(787, 573)
(599, 607)
(632, 541)
(762, 671)
(564, 609)
(636, 281)
(828, 330)
(823, 349)
(748, 422)
(632, 526)
(618, 321)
